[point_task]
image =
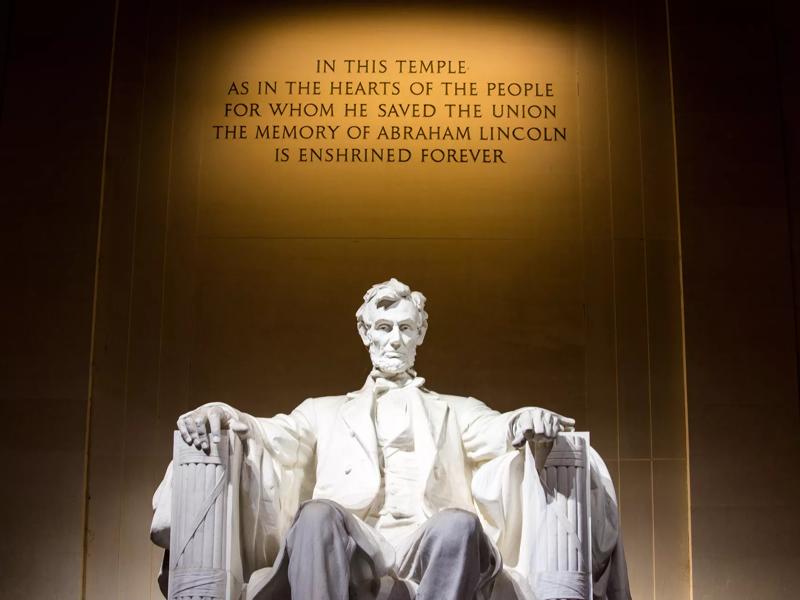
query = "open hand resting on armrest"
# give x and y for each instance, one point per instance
(537, 424)
(201, 426)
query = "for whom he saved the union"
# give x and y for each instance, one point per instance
(396, 483)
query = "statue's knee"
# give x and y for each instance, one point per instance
(456, 526)
(318, 519)
(317, 513)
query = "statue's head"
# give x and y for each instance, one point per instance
(392, 322)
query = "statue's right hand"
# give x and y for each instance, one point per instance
(198, 425)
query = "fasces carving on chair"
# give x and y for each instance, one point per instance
(391, 491)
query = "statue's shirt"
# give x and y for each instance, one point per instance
(396, 512)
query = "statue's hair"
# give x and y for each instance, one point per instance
(388, 293)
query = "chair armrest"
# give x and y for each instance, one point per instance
(564, 565)
(205, 558)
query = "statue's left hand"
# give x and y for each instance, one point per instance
(538, 423)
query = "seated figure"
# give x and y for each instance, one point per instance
(438, 495)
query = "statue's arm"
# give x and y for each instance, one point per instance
(484, 431)
(290, 439)
(487, 433)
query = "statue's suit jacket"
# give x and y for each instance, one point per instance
(334, 439)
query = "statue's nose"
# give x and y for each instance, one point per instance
(395, 339)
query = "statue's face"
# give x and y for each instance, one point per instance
(393, 337)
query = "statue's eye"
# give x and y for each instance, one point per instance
(384, 327)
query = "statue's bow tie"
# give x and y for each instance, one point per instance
(383, 385)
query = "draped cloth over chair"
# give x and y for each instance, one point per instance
(540, 519)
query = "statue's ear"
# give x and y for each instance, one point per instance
(422, 332)
(362, 331)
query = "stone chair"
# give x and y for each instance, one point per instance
(205, 561)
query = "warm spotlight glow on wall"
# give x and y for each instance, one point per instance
(315, 123)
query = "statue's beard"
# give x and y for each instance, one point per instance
(393, 366)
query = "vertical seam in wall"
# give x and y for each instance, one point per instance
(168, 206)
(169, 202)
(779, 71)
(131, 281)
(682, 302)
(90, 383)
(646, 297)
(196, 216)
(613, 259)
(579, 153)
(167, 209)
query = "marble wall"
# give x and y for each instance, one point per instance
(554, 282)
